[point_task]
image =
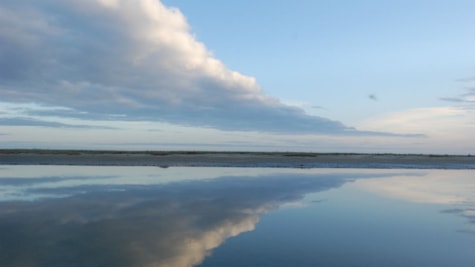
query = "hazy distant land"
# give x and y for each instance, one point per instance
(234, 159)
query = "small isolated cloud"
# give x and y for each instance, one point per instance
(318, 107)
(132, 57)
(452, 99)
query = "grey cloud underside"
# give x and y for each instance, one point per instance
(128, 60)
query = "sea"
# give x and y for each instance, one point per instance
(211, 216)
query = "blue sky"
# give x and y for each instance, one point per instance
(323, 76)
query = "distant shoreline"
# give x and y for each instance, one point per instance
(233, 159)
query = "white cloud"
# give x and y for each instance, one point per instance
(449, 129)
(433, 120)
(134, 57)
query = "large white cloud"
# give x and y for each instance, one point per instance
(133, 57)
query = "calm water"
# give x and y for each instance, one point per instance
(177, 217)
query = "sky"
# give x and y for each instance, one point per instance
(318, 76)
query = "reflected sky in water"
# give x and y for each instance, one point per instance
(179, 217)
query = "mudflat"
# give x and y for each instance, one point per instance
(234, 159)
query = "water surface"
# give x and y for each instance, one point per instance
(177, 217)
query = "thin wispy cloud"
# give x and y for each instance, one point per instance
(44, 116)
(44, 123)
(467, 79)
(135, 58)
(466, 98)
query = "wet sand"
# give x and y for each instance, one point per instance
(234, 159)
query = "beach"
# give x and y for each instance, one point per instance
(234, 159)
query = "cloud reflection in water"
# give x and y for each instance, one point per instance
(174, 224)
(454, 189)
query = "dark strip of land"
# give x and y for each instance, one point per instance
(234, 159)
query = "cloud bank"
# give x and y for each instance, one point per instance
(137, 58)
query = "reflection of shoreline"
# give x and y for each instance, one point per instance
(171, 225)
(235, 159)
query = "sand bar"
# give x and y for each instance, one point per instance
(234, 159)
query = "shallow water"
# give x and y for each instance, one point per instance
(177, 217)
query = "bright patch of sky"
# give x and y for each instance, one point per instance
(345, 76)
